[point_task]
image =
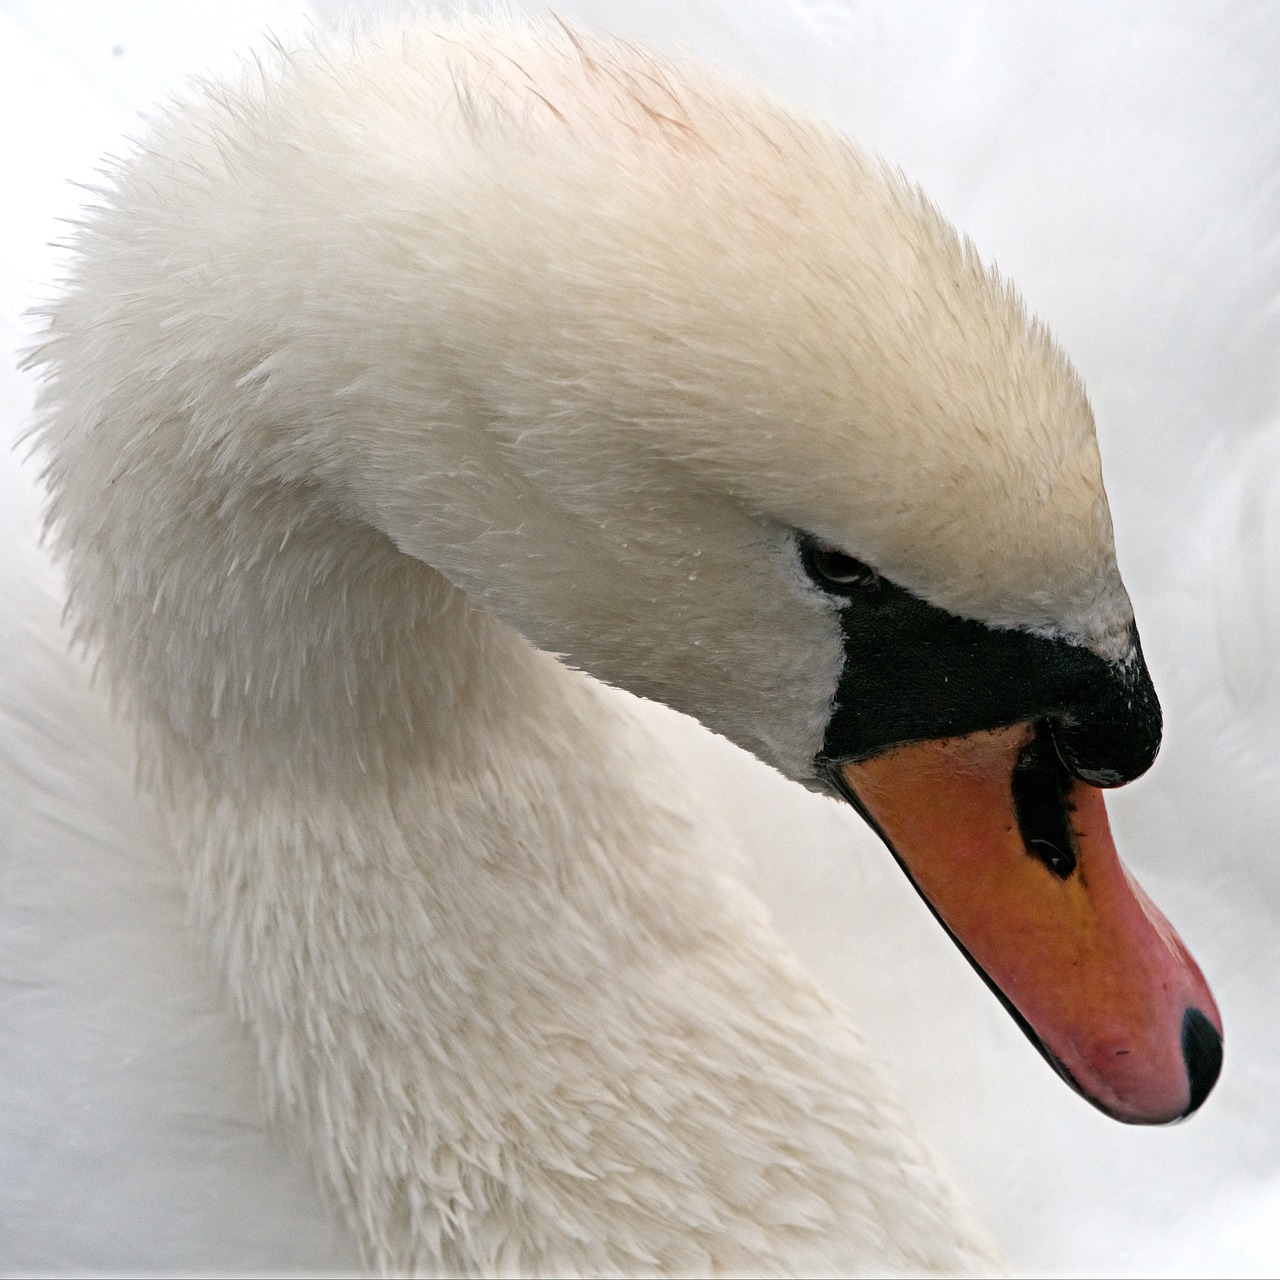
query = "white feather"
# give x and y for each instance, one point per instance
(1133, 200)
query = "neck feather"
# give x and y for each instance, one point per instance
(497, 970)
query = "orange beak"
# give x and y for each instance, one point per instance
(1016, 858)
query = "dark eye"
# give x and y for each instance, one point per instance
(832, 570)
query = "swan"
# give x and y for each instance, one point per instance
(504, 986)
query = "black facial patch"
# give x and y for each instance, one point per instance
(914, 672)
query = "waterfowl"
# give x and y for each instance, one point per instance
(375, 370)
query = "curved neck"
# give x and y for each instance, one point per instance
(280, 645)
(482, 936)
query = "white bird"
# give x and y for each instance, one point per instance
(375, 368)
(133, 1137)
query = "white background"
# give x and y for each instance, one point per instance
(1121, 162)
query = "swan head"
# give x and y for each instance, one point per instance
(696, 394)
(679, 335)
(776, 448)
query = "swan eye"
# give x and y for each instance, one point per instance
(832, 570)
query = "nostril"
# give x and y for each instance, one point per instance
(1202, 1052)
(1041, 800)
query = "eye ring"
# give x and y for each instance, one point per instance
(835, 571)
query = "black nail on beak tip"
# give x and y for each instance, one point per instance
(1202, 1052)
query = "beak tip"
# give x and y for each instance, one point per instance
(1202, 1053)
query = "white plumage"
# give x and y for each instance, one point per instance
(40, 963)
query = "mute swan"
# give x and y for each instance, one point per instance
(357, 759)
